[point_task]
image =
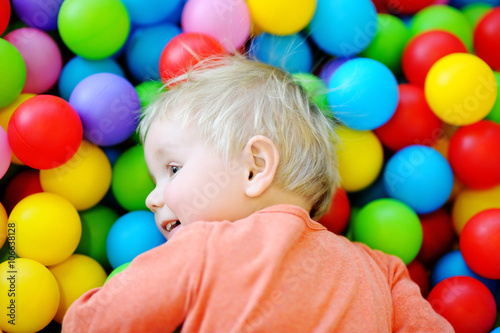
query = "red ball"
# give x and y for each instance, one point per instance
(337, 218)
(487, 38)
(24, 183)
(420, 276)
(474, 154)
(186, 50)
(439, 236)
(480, 243)
(412, 123)
(423, 50)
(45, 132)
(406, 6)
(4, 15)
(466, 303)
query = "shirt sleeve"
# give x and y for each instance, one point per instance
(152, 294)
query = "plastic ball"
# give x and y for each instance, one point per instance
(13, 71)
(453, 264)
(315, 89)
(494, 114)
(329, 68)
(227, 21)
(148, 91)
(3, 225)
(337, 218)
(423, 50)
(36, 298)
(439, 236)
(38, 14)
(96, 223)
(93, 29)
(75, 276)
(460, 89)
(48, 228)
(83, 180)
(5, 153)
(45, 132)
(7, 112)
(143, 13)
(442, 17)
(487, 39)
(474, 154)
(412, 109)
(466, 303)
(389, 41)
(108, 106)
(360, 157)
(474, 12)
(420, 276)
(363, 94)
(117, 270)
(24, 183)
(406, 6)
(343, 28)
(281, 17)
(469, 202)
(132, 234)
(291, 53)
(186, 50)
(4, 15)
(420, 177)
(463, 3)
(390, 226)
(131, 182)
(79, 68)
(42, 58)
(479, 243)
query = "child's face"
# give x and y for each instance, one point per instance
(192, 183)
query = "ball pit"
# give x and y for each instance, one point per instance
(449, 105)
(5, 152)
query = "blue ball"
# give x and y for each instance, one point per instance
(79, 68)
(419, 176)
(363, 94)
(462, 3)
(144, 49)
(343, 27)
(132, 234)
(152, 11)
(453, 264)
(291, 53)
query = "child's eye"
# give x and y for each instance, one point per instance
(173, 169)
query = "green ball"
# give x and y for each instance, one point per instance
(96, 223)
(475, 11)
(389, 42)
(148, 91)
(12, 73)
(316, 89)
(445, 18)
(390, 226)
(93, 29)
(494, 114)
(117, 270)
(131, 182)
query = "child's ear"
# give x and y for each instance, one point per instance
(261, 160)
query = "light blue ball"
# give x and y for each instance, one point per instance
(363, 94)
(152, 11)
(419, 176)
(79, 68)
(343, 27)
(291, 53)
(144, 49)
(453, 264)
(132, 234)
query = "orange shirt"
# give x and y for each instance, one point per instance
(275, 271)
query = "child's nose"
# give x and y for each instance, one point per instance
(154, 200)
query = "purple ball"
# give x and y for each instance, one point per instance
(330, 67)
(38, 14)
(108, 106)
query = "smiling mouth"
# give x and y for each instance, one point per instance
(171, 225)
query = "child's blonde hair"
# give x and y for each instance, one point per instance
(232, 98)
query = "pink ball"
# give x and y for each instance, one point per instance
(41, 55)
(228, 21)
(5, 152)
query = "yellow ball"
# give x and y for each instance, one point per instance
(83, 180)
(29, 296)
(47, 228)
(282, 17)
(360, 156)
(75, 276)
(461, 89)
(3, 225)
(470, 202)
